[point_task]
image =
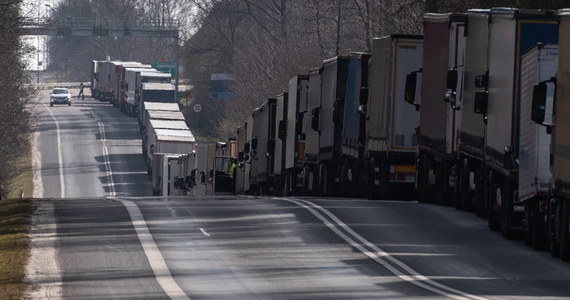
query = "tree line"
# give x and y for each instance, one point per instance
(16, 94)
(261, 43)
(264, 43)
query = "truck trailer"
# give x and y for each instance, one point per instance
(296, 133)
(538, 65)
(512, 32)
(444, 43)
(471, 161)
(279, 172)
(391, 124)
(558, 216)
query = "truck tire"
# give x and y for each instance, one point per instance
(480, 192)
(507, 212)
(422, 179)
(565, 231)
(554, 224)
(527, 224)
(493, 219)
(460, 187)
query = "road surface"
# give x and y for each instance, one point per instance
(106, 239)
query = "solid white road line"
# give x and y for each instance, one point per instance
(108, 170)
(59, 155)
(155, 259)
(378, 255)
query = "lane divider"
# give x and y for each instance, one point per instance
(108, 170)
(392, 264)
(155, 258)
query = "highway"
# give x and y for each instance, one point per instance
(98, 235)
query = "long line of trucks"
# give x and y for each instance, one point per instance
(471, 114)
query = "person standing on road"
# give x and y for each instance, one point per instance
(81, 92)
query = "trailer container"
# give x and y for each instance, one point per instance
(512, 32)
(537, 65)
(129, 87)
(168, 141)
(241, 140)
(391, 124)
(444, 43)
(165, 168)
(558, 215)
(333, 90)
(313, 113)
(263, 145)
(155, 92)
(298, 123)
(471, 162)
(281, 114)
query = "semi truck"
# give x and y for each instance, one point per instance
(153, 92)
(558, 215)
(296, 133)
(130, 88)
(313, 113)
(443, 49)
(391, 124)
(169, 141)
(263, 147)
(471, 160)
(512, 32)
(333, 89)
(538, 65)
(279, 172)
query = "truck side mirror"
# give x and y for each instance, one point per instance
(315, 120)
(508, 159)
(364, 96)
(254, 143)
(538, 102)
(246, 147)
(481, 101)
(241, 156)
(282, 133)
(451, 94)
(452, 79)
(482, 81)
(410, 89)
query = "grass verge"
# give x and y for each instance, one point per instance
(15, 223)
(15, 220)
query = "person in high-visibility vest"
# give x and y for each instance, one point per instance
(232, 169)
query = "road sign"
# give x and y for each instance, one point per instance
(197, 108)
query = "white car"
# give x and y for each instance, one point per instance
(60, 96)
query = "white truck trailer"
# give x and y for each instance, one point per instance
(538, 65)
(390, 133)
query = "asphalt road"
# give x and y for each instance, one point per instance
(238, 247)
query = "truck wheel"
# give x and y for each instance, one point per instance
(422, 179)
(554, 223)
(538, 229)
(507, 210)
(565, 231)
(493, 218)
(527, 224)
(460, 187)
(480, 192)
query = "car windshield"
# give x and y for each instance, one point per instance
(60, 91)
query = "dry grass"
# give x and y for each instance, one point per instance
(15, 222)
(15, 219)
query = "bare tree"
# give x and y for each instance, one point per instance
(15, 94)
